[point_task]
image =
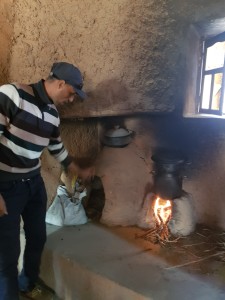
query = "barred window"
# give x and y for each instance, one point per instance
(211, 76)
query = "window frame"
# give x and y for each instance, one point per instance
(206, 43)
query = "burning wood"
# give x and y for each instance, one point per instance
(162, 214)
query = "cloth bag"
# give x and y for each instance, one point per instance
(66, 210)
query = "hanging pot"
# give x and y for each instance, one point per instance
(117, 137)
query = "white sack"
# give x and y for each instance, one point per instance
(63, 211)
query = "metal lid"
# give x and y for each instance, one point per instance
(117, 132)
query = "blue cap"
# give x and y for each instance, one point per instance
(70, 74)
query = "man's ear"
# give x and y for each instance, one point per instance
(61, 83)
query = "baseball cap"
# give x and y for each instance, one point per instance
(70, 74)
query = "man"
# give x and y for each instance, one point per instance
(29, 122)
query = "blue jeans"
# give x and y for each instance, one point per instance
(26, 198)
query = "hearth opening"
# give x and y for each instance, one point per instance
(168, 211)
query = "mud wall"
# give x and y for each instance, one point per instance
(132, 53)
(6, 36)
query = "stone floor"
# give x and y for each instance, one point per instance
(94, 262)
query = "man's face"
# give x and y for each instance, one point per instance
(64, 94)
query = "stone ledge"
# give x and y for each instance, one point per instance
(91, 262)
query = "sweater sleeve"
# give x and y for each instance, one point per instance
(57, 149)
(9, 104)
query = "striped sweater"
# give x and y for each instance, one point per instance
(29, 122)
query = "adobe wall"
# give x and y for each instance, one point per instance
(132, 53)
(6, 37)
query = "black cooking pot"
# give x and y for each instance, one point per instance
(169, 162)
(168, 186)
(117, 137)
(168, 174)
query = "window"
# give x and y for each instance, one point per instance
(212, 76)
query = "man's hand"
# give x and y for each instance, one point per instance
(3, 209)
(69, 182)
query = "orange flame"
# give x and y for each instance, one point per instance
(162, 210)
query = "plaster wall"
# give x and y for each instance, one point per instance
(6, 35)
(132, 53)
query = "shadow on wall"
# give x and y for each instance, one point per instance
(198, 139)
(109, 93)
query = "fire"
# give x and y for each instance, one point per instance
(162, 210)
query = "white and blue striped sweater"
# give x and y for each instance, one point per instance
(29, 122)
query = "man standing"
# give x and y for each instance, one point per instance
(29, 122)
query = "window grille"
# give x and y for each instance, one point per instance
(211, 74)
